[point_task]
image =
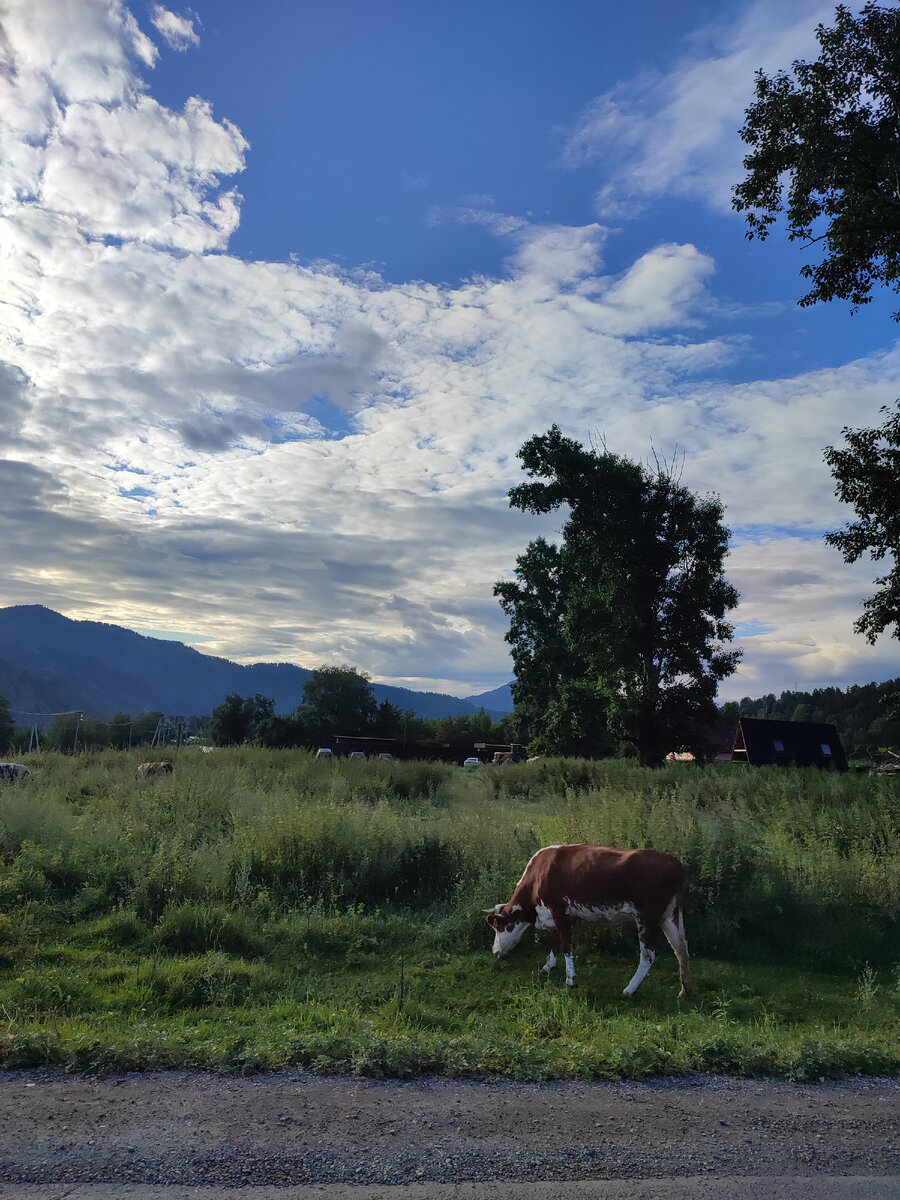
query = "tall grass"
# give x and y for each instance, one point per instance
(250, 875)
(783, 858)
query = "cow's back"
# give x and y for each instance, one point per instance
(599, 876)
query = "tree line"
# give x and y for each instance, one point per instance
(71, 731)
(338, 700)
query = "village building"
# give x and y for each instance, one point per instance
(762, 743)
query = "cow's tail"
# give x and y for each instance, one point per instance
(679, 898)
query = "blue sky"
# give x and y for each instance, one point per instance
(289, 284)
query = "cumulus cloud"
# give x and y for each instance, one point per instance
(314, 463)
(178, 31)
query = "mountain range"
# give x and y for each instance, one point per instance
(51, 664)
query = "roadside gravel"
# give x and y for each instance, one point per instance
(186, 1129)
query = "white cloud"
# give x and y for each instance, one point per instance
(178, 31)
(677, 134)
(813, 598)
(311, 465)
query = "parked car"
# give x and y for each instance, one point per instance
(472, 762)
(356, 754)
(323, 752)
(386, 757)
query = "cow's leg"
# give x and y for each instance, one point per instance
(550, 963)
(647, 934)
(673, 928)
(564, 943)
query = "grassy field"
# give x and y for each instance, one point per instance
(257, 909)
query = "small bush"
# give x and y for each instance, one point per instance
(195, 929)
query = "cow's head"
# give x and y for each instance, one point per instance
(508, 927)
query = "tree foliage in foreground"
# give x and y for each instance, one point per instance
(867, 470)
(825, 152)
(620, 632)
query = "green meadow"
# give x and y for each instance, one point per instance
(260, 909)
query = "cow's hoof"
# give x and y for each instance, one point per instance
(571, 983)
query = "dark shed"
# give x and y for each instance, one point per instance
(788, 744)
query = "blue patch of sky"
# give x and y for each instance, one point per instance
(753, 534)
(169, 635)
(336, 421)
(135, 493)
(748, 629)
(120, 466)
(362, 118)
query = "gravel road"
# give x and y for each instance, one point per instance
(185, 1135)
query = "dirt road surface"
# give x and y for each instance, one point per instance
(183, 1135)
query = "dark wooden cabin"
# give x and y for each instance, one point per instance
(788, 744)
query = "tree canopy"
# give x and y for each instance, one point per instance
(825, 152)
(338, 700)
(236, 720)
(620, 631)
(867, 470)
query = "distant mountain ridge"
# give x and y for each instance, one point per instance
(50, 663)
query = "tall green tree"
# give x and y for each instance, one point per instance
(236, 720)
(388, 721)
(825, 154)
(338, 700)
(558, 708)
(624, 623)
(867, 470)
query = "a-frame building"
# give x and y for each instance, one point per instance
(788, 744)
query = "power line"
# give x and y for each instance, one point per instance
(69, 712)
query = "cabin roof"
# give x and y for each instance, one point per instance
(762, 742)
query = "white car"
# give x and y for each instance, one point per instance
(323, 752)
(472, 762)
(356, 754)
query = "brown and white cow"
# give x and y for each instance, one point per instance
(13, 771)
(155, 768)
(597, 883)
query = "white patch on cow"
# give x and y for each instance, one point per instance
(647, 957)
(607, 914)
(507, 939)
(544, 917)
(570, 970)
